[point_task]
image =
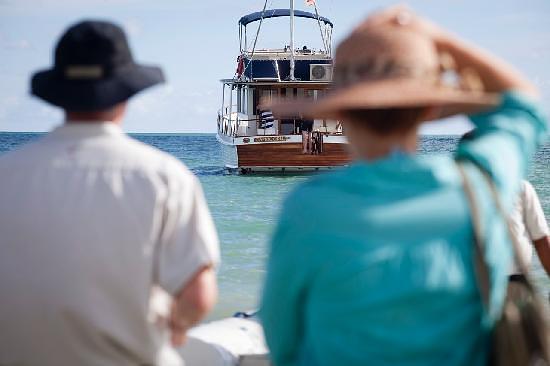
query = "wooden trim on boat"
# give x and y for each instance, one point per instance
(291, 155)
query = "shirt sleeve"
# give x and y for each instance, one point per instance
(188, 239)
(535, 221)
(283, 299)
(505, 140)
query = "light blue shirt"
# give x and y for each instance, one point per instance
(374, 264)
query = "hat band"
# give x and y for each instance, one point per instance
(84, 72)
(345, 76)
(445, 75)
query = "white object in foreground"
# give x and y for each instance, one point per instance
(230, 341)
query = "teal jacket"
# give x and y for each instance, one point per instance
(373, 264)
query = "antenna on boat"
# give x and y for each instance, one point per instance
(292, 78)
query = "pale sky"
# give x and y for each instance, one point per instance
(196, 43)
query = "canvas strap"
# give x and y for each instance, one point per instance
(482, 269)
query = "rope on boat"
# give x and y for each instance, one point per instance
(325, 44)
(255, 38)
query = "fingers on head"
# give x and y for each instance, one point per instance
(393, 15)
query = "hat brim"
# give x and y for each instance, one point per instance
(389, 93)
(89, 95)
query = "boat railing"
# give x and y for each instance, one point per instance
(232, 125)
(281, 52)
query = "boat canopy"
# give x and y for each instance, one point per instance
(274, 13)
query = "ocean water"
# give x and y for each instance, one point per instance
(245, 207)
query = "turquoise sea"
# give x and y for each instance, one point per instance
(245, 207)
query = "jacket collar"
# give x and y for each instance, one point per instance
(75, 129)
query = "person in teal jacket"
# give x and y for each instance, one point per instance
(374, 264)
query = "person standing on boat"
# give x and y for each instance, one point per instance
(93, 222)
(381, 271)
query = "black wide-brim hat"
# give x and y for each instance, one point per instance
(93, 70)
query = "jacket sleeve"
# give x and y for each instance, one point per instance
(284, 290)
(506, 138)
(188, 237)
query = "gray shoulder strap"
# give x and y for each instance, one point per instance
(482, 271)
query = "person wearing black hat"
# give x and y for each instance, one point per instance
(94, 222)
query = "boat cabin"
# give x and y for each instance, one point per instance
(241, 116)
(264, 74)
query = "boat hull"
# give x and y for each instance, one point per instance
(281, 154)
(229, 156)
(289, 156)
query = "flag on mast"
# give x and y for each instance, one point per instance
(310, 2)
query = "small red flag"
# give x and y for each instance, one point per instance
(310, 2)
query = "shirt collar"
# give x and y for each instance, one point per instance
(87, 129)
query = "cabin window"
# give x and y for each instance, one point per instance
(267, 93)
(250, 101)
(309, 94)
(319, 93)
(242, 100)
(239, 99)
(264, 95)
(255, 101)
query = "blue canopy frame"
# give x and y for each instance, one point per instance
(326, 29)
(275, 13)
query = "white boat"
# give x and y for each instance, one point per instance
(232, 341)
(252, 140)
(235, 341)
